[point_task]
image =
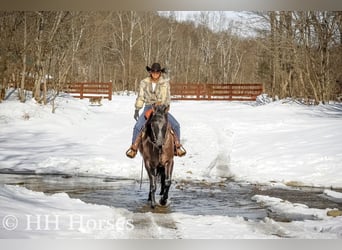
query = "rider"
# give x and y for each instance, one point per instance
(153, 89)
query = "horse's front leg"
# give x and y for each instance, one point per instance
(168, 176)
(153, 187)
(162, 180)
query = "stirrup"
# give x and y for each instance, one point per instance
(180, 151)
(131, 153)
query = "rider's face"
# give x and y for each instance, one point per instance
(155, 74)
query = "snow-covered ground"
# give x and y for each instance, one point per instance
(278, 143)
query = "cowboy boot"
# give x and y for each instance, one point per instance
(179, 149)
(133, 150)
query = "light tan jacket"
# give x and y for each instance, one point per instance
(147, 96)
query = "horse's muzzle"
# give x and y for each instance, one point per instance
(159, 143)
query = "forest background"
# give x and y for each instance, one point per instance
(294, 54)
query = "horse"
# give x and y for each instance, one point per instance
(157, 150)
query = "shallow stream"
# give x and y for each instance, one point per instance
(229, 198)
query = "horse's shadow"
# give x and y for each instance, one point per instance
(158, 209)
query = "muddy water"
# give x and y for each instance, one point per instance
(227, 198)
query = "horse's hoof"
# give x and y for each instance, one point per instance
(163, 202)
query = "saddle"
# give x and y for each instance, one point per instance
(148, 114)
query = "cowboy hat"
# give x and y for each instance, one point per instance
(155, 68)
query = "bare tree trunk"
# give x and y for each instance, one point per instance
(238, 61)
(23, 72)
(67, 58)
(188, 62)
(274, 52)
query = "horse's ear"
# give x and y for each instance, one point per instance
(155, 105)
(167, 108)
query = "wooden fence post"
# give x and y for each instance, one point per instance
(209, 91)
(110, 91)
(81, 90)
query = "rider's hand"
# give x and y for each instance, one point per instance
(136, 114)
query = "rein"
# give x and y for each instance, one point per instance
(154, 144)
(152, 137)
(142, 170)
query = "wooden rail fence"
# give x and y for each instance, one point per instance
(90, 89)
(216, 92)
(179, 91)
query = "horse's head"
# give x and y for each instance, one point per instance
(157, 125)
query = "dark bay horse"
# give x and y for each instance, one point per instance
(157, 150)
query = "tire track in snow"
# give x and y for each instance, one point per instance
(221, 163)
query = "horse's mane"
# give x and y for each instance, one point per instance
(160, 110)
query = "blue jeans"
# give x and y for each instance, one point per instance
(141, 122)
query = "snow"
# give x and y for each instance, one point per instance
(272, 143)
(333, 194)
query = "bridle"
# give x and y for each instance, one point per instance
(153, 137)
